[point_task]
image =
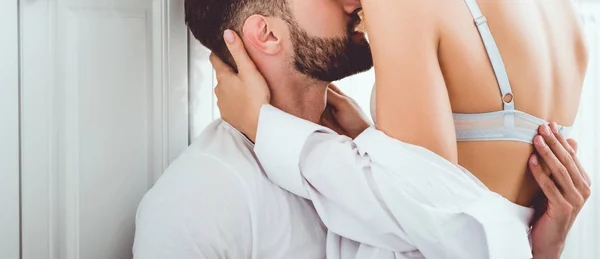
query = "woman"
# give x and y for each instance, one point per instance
(430, 63)
(444, 66)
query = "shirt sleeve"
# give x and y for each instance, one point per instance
(386, 193)
(198, 209)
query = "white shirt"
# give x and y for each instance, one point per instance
(397, 200)
(214, 202)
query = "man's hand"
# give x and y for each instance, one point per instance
(240, 96)
(343, 114)
(566, 188)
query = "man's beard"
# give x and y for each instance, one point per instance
(329, 59)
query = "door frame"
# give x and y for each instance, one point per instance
(9, 131)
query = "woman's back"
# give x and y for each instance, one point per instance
(542, 45)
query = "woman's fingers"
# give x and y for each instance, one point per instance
(334, 99)
(336, 89)
(219, 65)
(238, 52)
(222, 70)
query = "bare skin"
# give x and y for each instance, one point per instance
(546, 74)
(443, 66)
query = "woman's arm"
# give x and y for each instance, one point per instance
(412, 99)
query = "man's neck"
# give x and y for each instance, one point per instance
(301, 97)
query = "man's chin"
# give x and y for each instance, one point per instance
(358, 70)
(339, 75)
(350, 60)
(353, 67)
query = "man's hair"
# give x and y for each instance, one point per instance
(208, 19)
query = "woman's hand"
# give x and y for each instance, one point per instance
(240, 96)
(343, 114)
(566, 187)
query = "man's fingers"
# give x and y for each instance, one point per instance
(238, 52)
(573, 144)
(546, 184)
(564, 168)
(585, 176)
(558, 170)
(567, 156)
(561, 139)
(587, 179)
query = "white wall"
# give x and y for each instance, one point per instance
(9, 131)
(104, 111)
(203, 105)
(584, 239)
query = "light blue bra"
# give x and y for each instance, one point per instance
(508, 124)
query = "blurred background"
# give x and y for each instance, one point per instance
(98, 97)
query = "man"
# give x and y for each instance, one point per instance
(177, 219)
(215, 201)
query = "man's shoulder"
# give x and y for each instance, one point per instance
(220, 151)
(189, 185)
(196, 202)
(214, 196)
(187, 215)
(217, 162)
(222, 142)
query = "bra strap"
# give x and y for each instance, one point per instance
(493, 54)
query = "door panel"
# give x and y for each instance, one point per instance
(105, 111)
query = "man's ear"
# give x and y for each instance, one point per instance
(259, 33)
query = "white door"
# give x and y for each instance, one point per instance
(104, 111)
(9, 130)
